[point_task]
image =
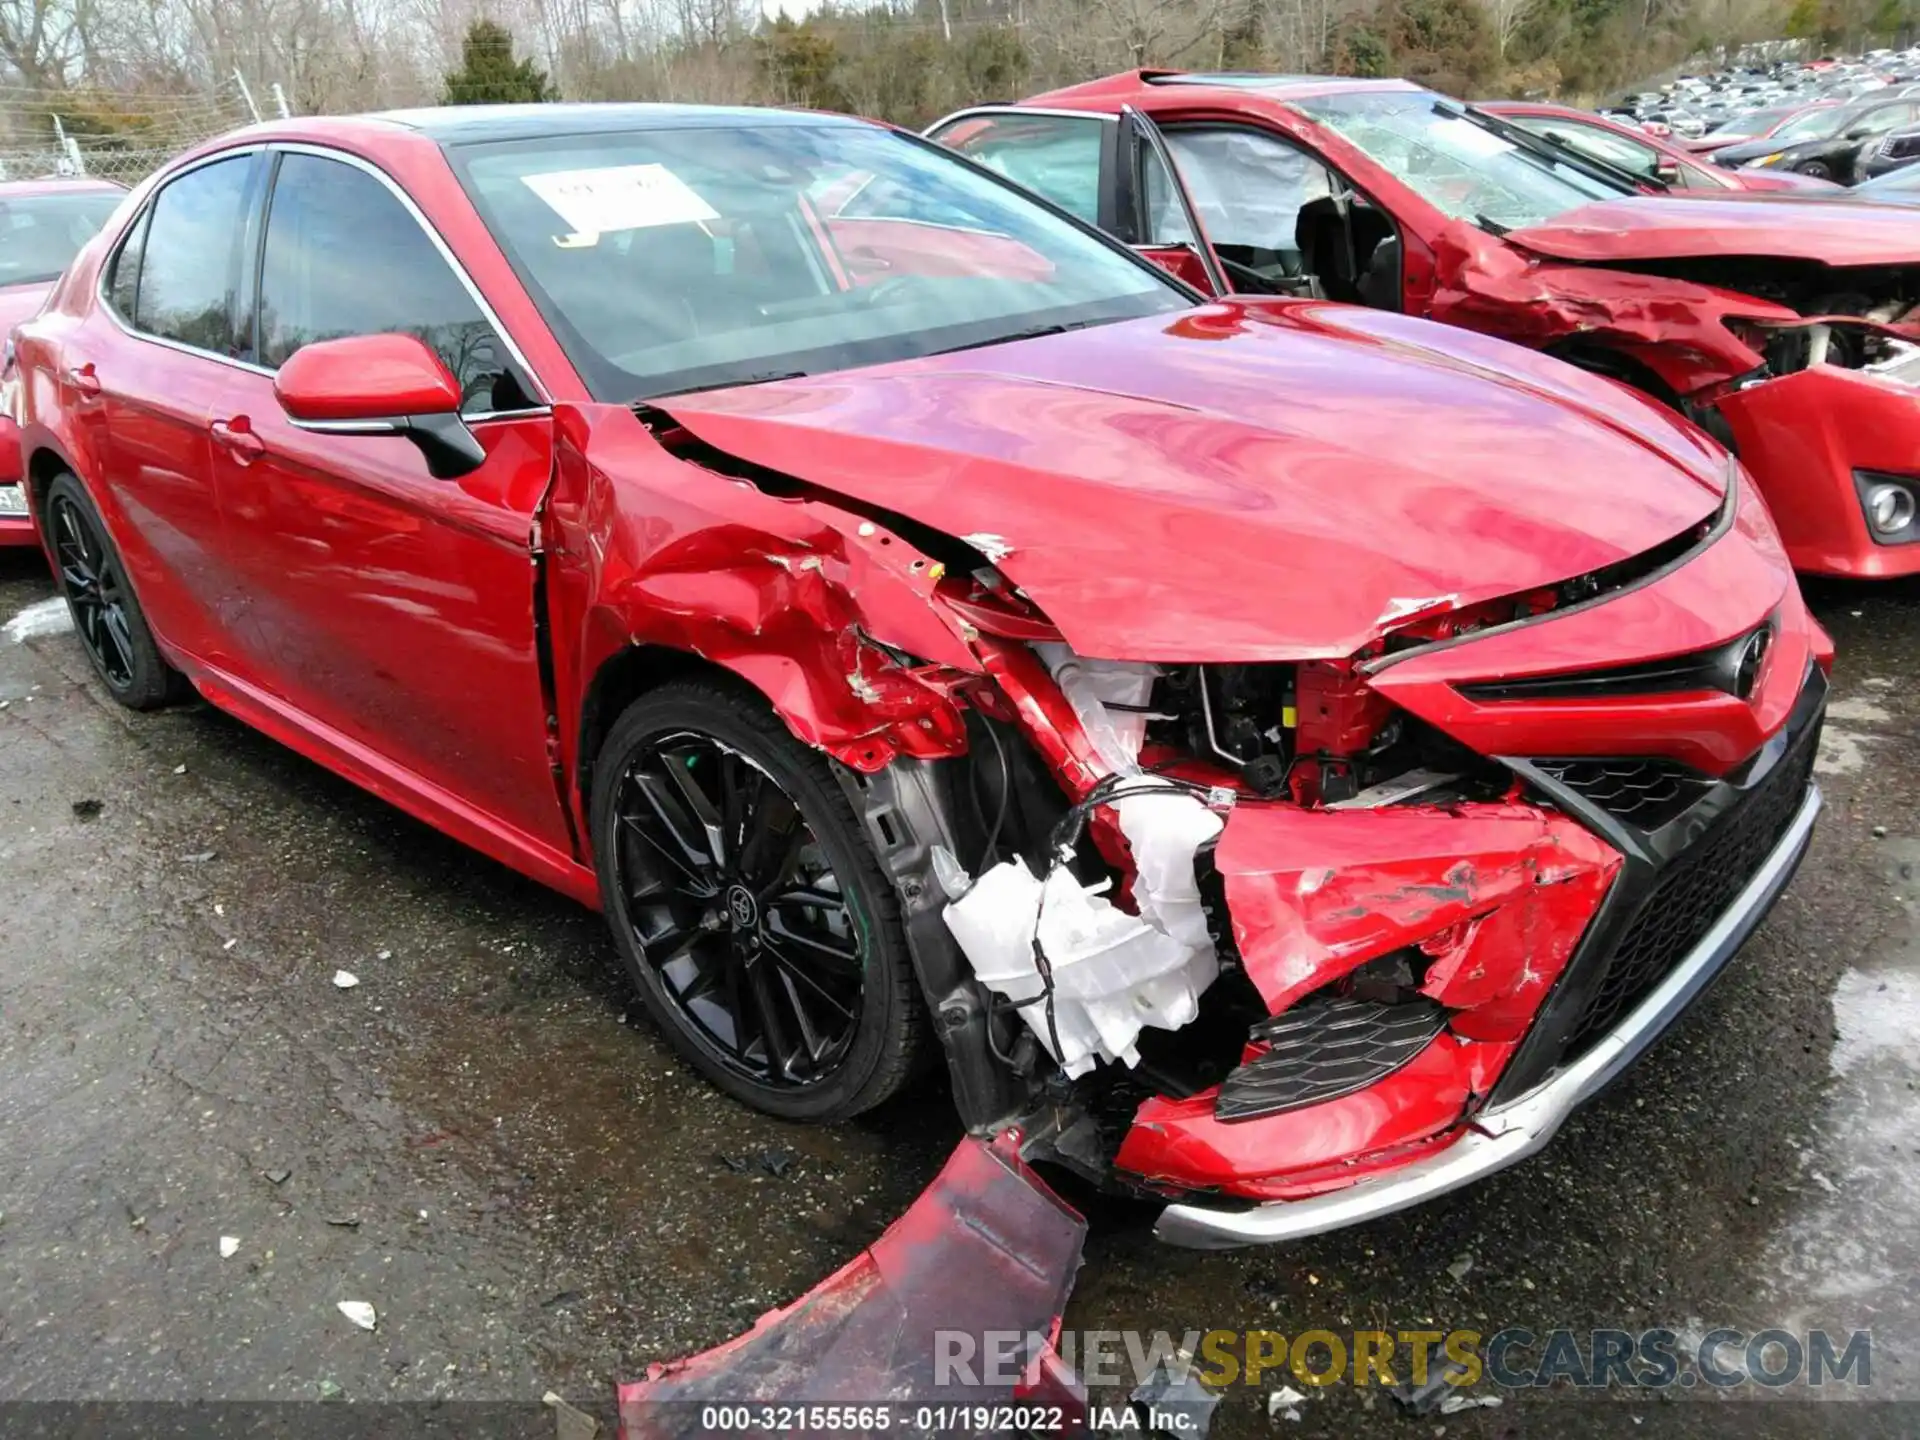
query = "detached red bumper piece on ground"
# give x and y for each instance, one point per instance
(987, 1248)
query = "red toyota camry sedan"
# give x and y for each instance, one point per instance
(1786, 325)
(1283, 756)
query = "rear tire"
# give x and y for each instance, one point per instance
(1817, 169)
(751, 912)
(107, 618)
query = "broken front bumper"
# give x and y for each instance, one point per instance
(1510, 1131)
(1805, 436)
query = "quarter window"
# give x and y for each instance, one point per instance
(124, 285)
(344, 257)
(186, 265)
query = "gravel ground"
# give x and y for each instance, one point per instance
(484, 1141)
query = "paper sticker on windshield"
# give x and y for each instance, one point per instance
(622, 197)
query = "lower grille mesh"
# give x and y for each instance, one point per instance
(1325, 1049)
(1643, 793)
(1692, 893)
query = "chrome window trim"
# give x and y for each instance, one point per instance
(290, 147)
(102, 284)
(974, 110)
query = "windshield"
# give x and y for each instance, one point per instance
(1904, 181)
(689, 257)
(1455, 164)
(1815, 124)
(39, 234)
(1754, 123)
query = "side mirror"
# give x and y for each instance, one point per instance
(1667, 172)
(1180, 261)
(381, 385)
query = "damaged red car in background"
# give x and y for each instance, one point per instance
(1284, 755)
(1786, 326)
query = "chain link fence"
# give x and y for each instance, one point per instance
(113, 136)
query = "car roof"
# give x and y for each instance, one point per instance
(481, 124)
(59, 185)
(1283, 85)
(1113, 89)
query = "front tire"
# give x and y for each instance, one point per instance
(1817, 169)
(749, 908)
(106, 613)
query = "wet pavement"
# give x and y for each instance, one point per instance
(483, 1141)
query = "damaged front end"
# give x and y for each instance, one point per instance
(1278, 938)
(1281, 935)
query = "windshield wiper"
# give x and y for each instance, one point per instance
(764, 377)
(1543, 147)
(1032, 332)
(1490, 225)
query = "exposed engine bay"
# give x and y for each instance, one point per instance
(1104, 938)
(1881, 299)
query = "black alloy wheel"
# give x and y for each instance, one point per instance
(107, 616)
(749, 907)
(91, 579)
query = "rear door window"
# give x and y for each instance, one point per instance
(189, 260)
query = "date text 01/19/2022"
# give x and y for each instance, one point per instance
(757, 1419)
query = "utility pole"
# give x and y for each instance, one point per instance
(246, 94)
(70, 148)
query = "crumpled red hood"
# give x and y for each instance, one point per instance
(1668, 227)
(1247, 481)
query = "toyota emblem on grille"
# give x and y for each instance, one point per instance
(1747, 663)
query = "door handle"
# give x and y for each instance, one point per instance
(236, 437)
(83, 380)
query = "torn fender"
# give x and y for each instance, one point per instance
(1674, 327)
(825, 612)
(986, 1247)
(1497, 896)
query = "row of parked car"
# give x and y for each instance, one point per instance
(1845, 122)
(1308, 507)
